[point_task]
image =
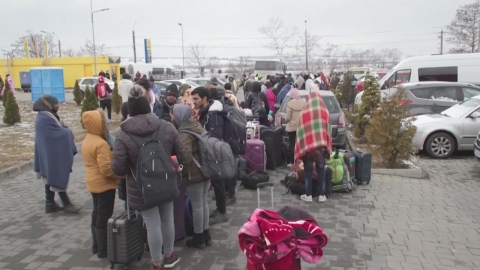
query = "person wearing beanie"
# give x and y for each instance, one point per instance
(158, 219)
(54, 152)
(171, 96)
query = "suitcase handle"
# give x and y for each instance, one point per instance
(260, 185)
(266, 184)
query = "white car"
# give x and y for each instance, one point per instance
(204, 81)
(92, 81)
(454, 129)
(179, 82)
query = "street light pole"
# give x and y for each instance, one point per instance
(134, 46)
(93, 34)
(306, 47)
(183, 49)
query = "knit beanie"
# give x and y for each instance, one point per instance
(172, 90)
(49, 100)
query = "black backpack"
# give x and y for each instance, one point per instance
(155, 175)
(251, 180)
(234, 130)
(258, 106)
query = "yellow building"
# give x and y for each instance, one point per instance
(73, 67)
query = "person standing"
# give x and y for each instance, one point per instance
(158, 219)
(197, 184)
(314, 144)
(154, 87)
(54, 152)
(104, 94)
(258, 103)
(107, 75)
(170, 99)
(124, 86)
(294, 111)
(100, 180)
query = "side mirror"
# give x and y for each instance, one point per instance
(277, 106)
(475, 115)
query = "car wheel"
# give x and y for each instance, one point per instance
(440, 145)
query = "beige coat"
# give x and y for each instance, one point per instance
(294, 111)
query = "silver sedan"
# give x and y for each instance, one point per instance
(454, 129)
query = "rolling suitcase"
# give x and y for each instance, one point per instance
(363, 167)
(273, 139)
(349, 159)
(179, 213)
(255, 155)
(125, 240)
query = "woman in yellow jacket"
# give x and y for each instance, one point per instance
(100, 180)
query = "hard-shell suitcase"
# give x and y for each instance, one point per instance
(273, 138)
(349, 159)
(255, 155)
(179, 213)
(363, 167)
(125, 238)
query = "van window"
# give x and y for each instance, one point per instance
(399, 77)
(442, 74)
(423, 93)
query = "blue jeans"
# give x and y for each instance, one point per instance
(308, 166)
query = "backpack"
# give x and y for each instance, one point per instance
(234, 133)
(216, 158)
(155, 175)
(250, 181)
(258, 107)
(102, 90)
(336, 163)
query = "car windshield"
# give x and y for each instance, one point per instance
(461, 109)
(330, 102)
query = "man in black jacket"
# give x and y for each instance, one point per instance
(170, 99)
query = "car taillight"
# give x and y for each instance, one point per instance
(341, 120)
(405, 102)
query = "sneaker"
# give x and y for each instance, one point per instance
(213, 213)
(231, 199)
(72, 209)
(170, 262)
(306, 198)
(322, 198)
(218, 218)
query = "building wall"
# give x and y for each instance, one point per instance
(73, 67)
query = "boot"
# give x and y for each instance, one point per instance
(52, 207)
(208, 238)
(197, 241)
(94, 239)
(68, 207)
(101, 243)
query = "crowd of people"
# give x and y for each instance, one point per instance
(172, 118)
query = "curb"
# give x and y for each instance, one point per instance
(420, 173)
(13, 171)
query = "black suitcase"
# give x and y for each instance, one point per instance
(273, 139)
(125, 238)
(363, 167)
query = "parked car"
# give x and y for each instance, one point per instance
(92, 81)
(204, 81)
(476, 147)
(162, 86)
(337, 117)
(433, 97)
(179, 82)
(454, 129)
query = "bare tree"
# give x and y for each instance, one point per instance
(18, 49)
(464, 29)
(87, 49)
(197, 57)
(68, 53)
(212, 64)
(240, 66)
(279, 36)
(311, 48)
(331, 58)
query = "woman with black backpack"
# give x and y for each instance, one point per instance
(258, 103)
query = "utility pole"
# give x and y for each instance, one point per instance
(306, 47)
(441, 42)
(59, 48)
(134, 47)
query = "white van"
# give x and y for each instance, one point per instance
(463, 68)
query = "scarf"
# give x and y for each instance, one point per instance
(314, 130)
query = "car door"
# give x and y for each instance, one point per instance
(468, 92)
(471, 126)
(442, 98)
(419, 98)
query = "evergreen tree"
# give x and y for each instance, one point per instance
(344, 91)
(12, 112)
(77, 94)
(90, 102)
(370, 102)
(116, 100)
(391, 131)
(7, 89)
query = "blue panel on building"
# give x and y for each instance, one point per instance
(47, 81)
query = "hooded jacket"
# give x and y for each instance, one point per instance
(231, 96)
(125, 151)
(190, 171)
(212, 118)
(96, 153)
(294, 111)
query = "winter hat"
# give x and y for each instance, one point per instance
(172, 90)
(181, 113)
(183, 88)
(126, 76)
(214, 81)
(220, 90)
(101, 79)
(293, 93)
(49, 100)
(137, 103)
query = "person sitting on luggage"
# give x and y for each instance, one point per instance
(158, 219)
(214, 124)
(197, 184)
(314, 143)
(100, 180)
(294, 110)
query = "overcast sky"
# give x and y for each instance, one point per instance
(230, 28)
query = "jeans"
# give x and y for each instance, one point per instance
(230, 186)
(50, 196)
(292, 137)
(220, 195)
(160, 230)
(308, 166)
(198, 194)
(107, 103)
(103, 205)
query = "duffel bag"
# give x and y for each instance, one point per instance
(251, 180)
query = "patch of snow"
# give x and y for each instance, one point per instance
(443, 98)
(410, 164)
